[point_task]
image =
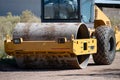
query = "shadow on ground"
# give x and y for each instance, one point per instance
(109, 73)
(9, 65)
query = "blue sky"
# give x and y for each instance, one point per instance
(17, 6)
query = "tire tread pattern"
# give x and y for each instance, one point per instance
(103, 55)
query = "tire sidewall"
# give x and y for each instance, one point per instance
(105, 55)
(110, 55)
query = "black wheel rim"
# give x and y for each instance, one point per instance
(111, 44)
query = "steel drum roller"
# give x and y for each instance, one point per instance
(48, 31)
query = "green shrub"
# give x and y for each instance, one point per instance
(28, 16)
(7, 23)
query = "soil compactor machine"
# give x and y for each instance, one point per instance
(69, 32)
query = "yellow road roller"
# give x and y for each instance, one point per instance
(70, 31)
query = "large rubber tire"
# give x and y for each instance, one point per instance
(106, 45)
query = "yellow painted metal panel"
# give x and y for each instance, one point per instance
(38, 46)
(101, 18)
(117, 35)
(80, 49)
(75, 46)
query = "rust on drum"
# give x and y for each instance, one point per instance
(45, 31)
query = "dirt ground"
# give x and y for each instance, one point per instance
(92, 72)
